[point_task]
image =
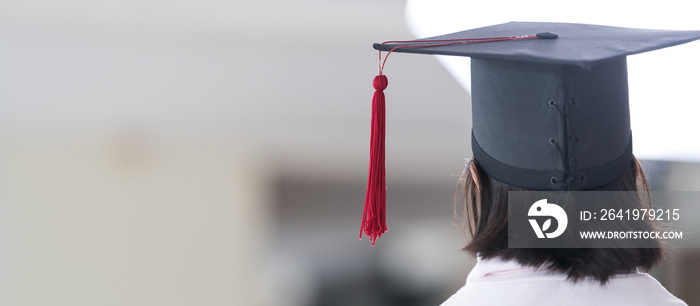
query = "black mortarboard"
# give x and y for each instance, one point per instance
(577, 44)
(549, 113)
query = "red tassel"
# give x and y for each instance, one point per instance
(374, 215)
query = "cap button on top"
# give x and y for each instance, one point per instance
(547, 35)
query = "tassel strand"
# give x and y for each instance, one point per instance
(374, 215)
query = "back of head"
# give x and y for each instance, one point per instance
(483, 203)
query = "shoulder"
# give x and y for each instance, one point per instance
(499, 283)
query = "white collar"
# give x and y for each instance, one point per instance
(496, 266)
(499, 267)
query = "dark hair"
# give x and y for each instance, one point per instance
(483, 204)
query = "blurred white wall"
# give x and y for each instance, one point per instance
(140, 141)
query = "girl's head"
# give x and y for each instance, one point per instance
(481, 203)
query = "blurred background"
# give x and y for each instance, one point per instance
(215, 153)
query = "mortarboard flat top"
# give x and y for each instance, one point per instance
(578, 44)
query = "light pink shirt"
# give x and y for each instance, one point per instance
(497, 282)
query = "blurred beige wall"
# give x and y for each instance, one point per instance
(128, 218)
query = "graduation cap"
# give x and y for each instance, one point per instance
(550, 104)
